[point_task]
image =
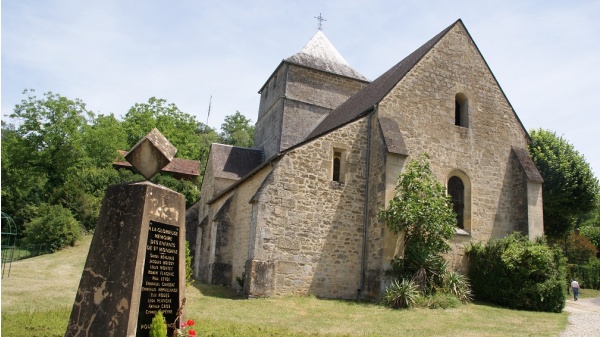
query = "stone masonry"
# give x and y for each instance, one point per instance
(292, 226)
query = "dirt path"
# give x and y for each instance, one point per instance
(584, 318)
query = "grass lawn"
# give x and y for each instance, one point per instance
(38, 294)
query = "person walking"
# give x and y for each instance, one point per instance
(575, 288)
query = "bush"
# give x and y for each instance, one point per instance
(588, 275)
(158, 327)
(457, 284)
(439, 300)
(54, 225)
(592, 233)
(580, 249)
(518, 273)
(401, 294)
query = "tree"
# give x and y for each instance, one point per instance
(102, 138)
(421, 210)
(423, 213)
(181, 129)
(237, 130)
(590, 226)
(40, 151)
(51, 129)
(570, 187)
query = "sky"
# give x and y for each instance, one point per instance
(112, 54)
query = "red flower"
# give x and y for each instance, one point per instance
(190, 322)
(191, 333)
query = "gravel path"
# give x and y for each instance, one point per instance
(584, 318)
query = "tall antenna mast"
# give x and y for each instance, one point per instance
(209, 104)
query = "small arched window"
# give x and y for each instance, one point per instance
(337, 166)
(456, 190)
(461, 110)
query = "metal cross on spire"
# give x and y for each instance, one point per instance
(320, 19)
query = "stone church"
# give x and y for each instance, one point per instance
(297, 214)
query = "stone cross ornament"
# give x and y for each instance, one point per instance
(151, 154)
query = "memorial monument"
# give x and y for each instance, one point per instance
(136, 262)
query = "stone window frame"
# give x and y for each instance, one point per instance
(467, 211)
(339, 153)
(461, 110)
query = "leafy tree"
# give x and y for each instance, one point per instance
(41, 151)
(51, 129)
(181, 129)
(102, 138)
(237, 130)
(580, 249)
(570, 188)
(422, 212)
(590, 226)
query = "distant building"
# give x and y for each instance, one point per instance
(298, 213)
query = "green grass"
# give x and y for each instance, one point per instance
(37, 299)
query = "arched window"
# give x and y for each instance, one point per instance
(456, 190)
(337, 166)
(461, 110)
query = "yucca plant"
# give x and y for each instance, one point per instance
(401, 294)
(457, 284)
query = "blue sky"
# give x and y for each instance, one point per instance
(113, 54)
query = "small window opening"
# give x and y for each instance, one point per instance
(275, 81)
(456, 190)
(337, 166)
(461, 110)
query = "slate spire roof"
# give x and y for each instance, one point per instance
(320, 54)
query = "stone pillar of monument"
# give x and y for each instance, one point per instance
(136, 262)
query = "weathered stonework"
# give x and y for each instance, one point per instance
(109, 297)
(299, 229)
(293, 102)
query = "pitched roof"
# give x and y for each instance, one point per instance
(365, 100)
(320, 54)
(177, 165)
(232, 162)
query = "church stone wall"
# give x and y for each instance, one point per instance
(270, 113)
(423, 104)
(294, 101)
(309, 227)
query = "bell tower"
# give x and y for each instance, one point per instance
(303, 89)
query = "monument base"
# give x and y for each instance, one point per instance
(135, 265)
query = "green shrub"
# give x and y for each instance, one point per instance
(401, 294)
(158, 327)
(54, 225)
(438, 300)
(592, 233)
(518, 273)
(580, 249)
(588, 275)
(189, 272)
(457, 284)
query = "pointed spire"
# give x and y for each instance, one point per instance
(320, 54)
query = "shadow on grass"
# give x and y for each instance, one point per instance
(217, 291)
